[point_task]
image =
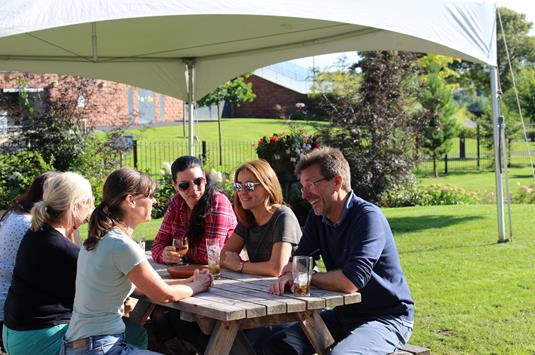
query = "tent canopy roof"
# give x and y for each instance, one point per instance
(145, 43)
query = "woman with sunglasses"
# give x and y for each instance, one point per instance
(266, 228)
(197, 211)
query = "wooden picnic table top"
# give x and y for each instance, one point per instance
(241, 296)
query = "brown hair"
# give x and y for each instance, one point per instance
(34, 194)
(266, 176)
(108, 213)
(331, 162)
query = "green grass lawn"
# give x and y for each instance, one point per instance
(473, 296)
(236, 129)
(483, 180)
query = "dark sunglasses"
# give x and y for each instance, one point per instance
(185, 184)
(248, 186)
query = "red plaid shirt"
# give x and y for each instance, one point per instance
(219, 223)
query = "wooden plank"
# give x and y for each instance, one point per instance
(206, 308)
(141, 311)
(226, 298)
(251, 296)
(316, 331)
(274, 304)
(312, 301)
(222, 338)
(268, 320)
(414, 349)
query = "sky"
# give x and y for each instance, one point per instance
(328, 60)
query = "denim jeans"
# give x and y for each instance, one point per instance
(103, 344)
(380, 335)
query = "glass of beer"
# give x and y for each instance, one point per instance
(181, 246)
(302, 274)
(213, 250)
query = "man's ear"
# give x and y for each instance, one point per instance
(338, 180)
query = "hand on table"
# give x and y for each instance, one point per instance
(232, 261)
(278, 287)
(202, 280)
(170, 256)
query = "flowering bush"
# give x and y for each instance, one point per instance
(283, 150)
(526, 194)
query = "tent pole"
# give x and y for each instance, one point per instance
(190, 74)
(497, 154)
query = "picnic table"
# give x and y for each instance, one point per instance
(240, 301)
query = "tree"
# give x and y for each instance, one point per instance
(376, 132)
(235, 92)
(333, 88)
(437, 107)
(526, 92)
(57, 130)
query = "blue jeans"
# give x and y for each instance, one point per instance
(381, 335)
(103, 344)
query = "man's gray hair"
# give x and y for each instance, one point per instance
(331, 162)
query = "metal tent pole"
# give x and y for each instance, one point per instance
(497, 154)
(190, 76)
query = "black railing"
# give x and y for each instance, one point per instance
(150, 156)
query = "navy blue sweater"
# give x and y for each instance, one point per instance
(42, 291)
(362, 246)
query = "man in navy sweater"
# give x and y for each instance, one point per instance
(358, 249)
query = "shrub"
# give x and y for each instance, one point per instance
(283, 150)
(435, 195)
(526, 194)
(17, 171)
(402, 195)
(412, 194)
(164, 191)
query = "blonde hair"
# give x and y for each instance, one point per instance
(62, 193)
(267, 177)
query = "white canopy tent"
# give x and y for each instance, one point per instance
(186, 48)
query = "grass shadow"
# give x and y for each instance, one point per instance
(419, 223)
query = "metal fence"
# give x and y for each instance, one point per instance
(150, 157)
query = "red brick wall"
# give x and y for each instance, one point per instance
(107, 101)
(268, 95)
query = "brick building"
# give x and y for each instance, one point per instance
(278, 89)
(107, 103)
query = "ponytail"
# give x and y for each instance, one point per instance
(100, 223)
(43, 213)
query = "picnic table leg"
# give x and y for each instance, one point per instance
(222, 337)
(316, 331)
(141, 311)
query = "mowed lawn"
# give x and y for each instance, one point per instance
(482, 181)
(473, 296)
(236, 129)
